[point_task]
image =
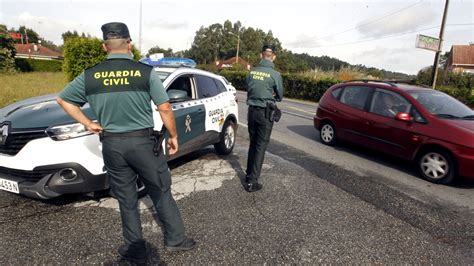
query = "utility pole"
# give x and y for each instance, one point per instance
(238, 48)
(436, 60)
(140, 30)
(238, 45)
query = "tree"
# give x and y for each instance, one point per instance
(157, 50)
(49, 44)
(73, 34)
(7, 51)
(69, 34)
(31, 35)
(219, 41)
(424, 76)
(443, 58)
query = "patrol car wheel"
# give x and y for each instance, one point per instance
(141, 190)
(327, 133)
(227, 139)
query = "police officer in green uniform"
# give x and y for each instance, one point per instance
(119, 91)
(264, 88)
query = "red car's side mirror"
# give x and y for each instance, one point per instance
(401, 116)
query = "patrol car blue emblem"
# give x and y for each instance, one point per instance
(169, 62)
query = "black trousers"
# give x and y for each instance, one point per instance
(124, 158)
(260, 129)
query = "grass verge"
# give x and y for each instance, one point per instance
(16, 87)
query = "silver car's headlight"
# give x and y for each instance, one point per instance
(65, 132)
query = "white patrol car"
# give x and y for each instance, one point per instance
(44, 153)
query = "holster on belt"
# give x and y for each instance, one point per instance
(158, 137)
(272, 113)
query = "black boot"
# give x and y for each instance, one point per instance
(253, 186)
(135, 252)
(187, 244)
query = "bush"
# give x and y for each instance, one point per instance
(237, 78)
(28, 65)
(296, 86)
(208, 67)
(7, 62)
(464, 95)
(81, 53)
(459, 80)
(7, 51)
(306, 88)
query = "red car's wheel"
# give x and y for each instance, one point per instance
(327, 133)
(437, 166)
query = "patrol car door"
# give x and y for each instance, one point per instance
(210, 92)
(189, 115)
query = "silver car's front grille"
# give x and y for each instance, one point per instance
(17, 140)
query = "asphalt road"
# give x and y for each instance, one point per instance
(296, 130)
(311, 210)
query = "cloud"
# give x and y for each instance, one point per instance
(303, 41)
(166, 24)
(407, 20)
(50, 28)
(407, 60)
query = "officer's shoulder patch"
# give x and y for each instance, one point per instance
(87, 68)
(145, 64)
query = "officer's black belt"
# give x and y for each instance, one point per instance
(256, 107)
(146, 132)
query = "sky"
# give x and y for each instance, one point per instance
(374, 33)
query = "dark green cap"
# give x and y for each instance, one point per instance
(268, 47)
(115, 30)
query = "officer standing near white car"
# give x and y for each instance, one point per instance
(264, 88)
(120, 90)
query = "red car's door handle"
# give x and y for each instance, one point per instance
(368, 123)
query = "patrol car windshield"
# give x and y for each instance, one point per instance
(163, 75)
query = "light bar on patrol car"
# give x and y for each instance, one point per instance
(169, 62)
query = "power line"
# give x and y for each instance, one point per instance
(389, 36)
(371, 21)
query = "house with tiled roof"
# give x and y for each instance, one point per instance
(36, 51)
(231, 61)
(461, 59)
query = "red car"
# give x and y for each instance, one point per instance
(411, 122)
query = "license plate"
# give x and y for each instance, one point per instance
(8, 185)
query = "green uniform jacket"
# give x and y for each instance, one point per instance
(119, 91)
(264, 84)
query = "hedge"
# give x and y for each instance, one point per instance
(81, 53)
(465, 95)
(296, 86)
(28, 65)
(307, 88)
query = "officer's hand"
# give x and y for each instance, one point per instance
(94, 127)
(172, 145)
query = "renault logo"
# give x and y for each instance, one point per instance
(4, 134)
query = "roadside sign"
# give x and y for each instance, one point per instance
(427, 42)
